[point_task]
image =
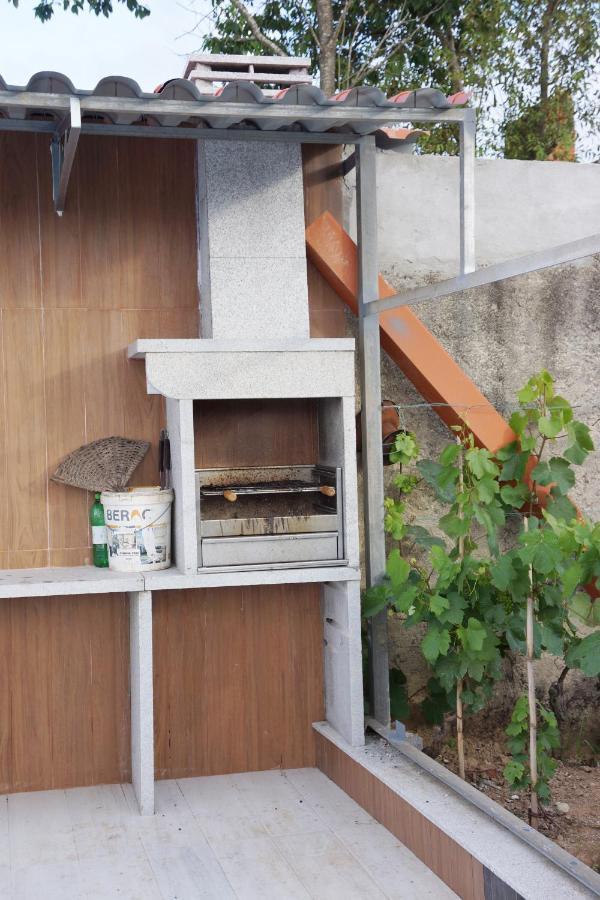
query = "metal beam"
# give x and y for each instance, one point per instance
(512, 268)
(336, 115)
(372, 451)
(467, 193)
(63, 149)
(219, 134)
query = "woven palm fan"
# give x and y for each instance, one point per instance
(104, 465)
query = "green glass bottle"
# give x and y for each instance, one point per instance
(99, 545)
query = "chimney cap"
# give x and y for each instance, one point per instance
(204, 69)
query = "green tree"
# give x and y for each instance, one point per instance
(45, 9)
(549, 71)
(525, 61)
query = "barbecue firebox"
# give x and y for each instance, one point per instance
(275, 516)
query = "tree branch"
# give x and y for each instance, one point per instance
(256, 32)
(308, 23)
(343, 15)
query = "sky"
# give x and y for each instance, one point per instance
(86, 47)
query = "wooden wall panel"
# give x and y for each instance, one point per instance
(323, 191)
(64, 703)
(20, 283)
(65, 357)
(74, 291)
(450, 862)
(238, 679)
(26, 481)
(4, 507)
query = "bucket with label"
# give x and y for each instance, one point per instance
(138, 528)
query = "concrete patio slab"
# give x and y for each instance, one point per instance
(279, 834)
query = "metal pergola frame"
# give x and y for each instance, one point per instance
(270, 118)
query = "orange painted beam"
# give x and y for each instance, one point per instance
(417, 353)
(413, 347)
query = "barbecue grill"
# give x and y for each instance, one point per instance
(271, 516)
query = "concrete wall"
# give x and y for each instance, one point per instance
(501, 334)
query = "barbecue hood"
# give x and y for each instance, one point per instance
(218, 369)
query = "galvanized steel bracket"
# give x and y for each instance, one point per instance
(63, 149)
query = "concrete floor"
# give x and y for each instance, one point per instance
(284, 835)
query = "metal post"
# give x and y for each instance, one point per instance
(467, 192)
(372, 451)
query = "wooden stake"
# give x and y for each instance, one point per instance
(533, 800)
(460, 744)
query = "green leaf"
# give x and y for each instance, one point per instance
(557, 472)
(546, 558)
(514, 466)
(440, 479)
(514, 729)
(454, 526)
(502, 572)
(550, 426)
(572, 578)
(528, 393)
(552, 640)
(581, 443)
(422, 538)
(438, 604)
(374, 600)
(480, 462)
(581, 605)
(518, 422)
(403, 601)
(561, 508)
(449, 454)
(397, 569)
(514, 495)
(473, 635)
(454, 613)
(487, 488)
(585, 655)
(405, 448)
(435, 643)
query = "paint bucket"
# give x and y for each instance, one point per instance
(138, 528)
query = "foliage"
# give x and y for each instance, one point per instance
(45, 9)
(469, 595)
(525, 61)
(550, 61)
(516, 772)
(399, 705)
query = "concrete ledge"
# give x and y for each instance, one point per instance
(48, 582)
(171, 579)
(476, 855)
(139, 348)
(55, 582)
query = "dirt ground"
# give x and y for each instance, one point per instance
(577, 785)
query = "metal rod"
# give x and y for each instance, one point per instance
(64, 148)
(372, 451)
(467, 193)
(542, 259)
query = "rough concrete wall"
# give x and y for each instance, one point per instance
(502, 334)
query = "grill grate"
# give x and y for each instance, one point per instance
(266, 487)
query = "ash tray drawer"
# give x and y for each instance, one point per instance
(269, 549)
